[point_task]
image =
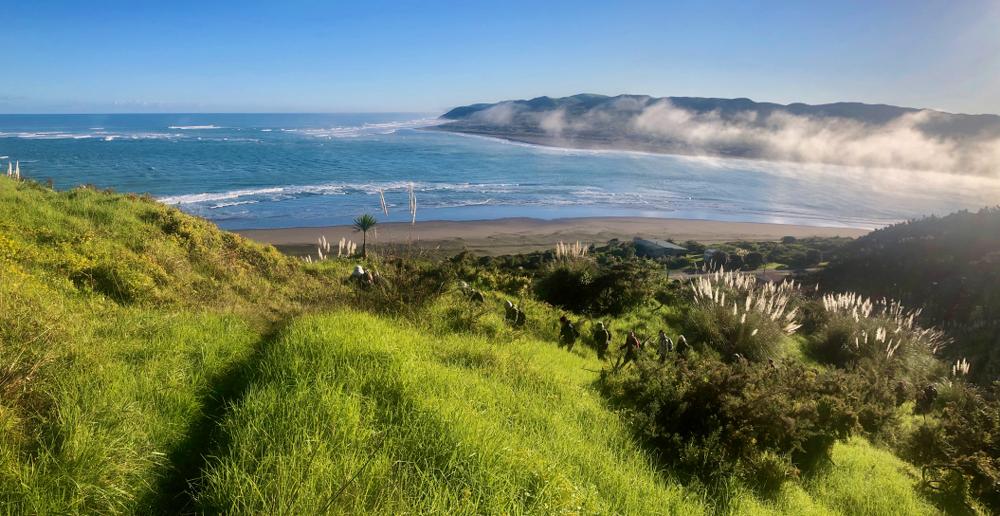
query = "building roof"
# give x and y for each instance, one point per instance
(663, 244)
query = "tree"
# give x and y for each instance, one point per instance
(753, 260)
(363, 223)
(813, 257)
(735, 262)
(718, 260)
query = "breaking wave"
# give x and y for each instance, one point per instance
(249, 196)
(368, 129)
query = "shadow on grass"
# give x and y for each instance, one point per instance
(176, 491)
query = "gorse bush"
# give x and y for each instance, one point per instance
(714, 419)
(598, 288)
(403, 286)
(734, 314)
(959, 449)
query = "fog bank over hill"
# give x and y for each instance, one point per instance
(854, 134)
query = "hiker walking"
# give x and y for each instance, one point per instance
(474, 295)
(567, 333)
(682, 346)
(519, 317)
(664, 346)
(630, 348)
(510, 312)
(602, 339)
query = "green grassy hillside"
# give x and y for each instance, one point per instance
(121, 321)
(367, 414)
(150, 362)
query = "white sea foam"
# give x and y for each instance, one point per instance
(103, 135)
(368, 129)
(194, 127)
(245, 196)
(228, 204)
(217, 196)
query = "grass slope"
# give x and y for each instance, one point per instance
(122, 322)
(360, 414)
(150, 362)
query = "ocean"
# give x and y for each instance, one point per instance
(296, 170)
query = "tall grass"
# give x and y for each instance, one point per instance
(565, 251)
(880, 331)
(740, 317)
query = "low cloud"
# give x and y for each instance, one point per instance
(901, 143)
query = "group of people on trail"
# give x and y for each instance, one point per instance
(632, 347)
(629, 350)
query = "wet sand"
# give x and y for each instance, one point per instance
(516, 235)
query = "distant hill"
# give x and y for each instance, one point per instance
(848, 133)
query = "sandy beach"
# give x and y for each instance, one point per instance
(514, 235)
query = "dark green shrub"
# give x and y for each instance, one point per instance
(718, 260)
(569, 285)
(404, 286)
(712, 419)
(753, 260)
(694, 246)
(813, 257)
(959, 450)
(611, 288)
(753, 336)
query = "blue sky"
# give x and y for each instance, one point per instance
(375, 55)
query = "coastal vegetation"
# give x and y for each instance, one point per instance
(150, 362)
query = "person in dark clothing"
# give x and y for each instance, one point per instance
(567, 333)
(519, 317)
(664, 346)
(926, 399)
(682, 346)
(630, 350)
(602, 339)
(510, 312)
